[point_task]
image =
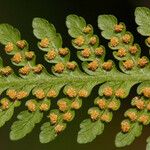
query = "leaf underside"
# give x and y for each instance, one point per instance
(38, 85)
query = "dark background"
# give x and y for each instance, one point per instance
(20, 13)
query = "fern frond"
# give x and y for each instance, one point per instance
(130, 62)
(32, 82)
(142, 16)
(112, 91)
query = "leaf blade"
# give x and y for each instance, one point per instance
(106, 23)
(6, 115)
(9, 34)
(43, 29)
(125, 139)
(89, 130)
(75, 25)
(142, 18)
(47, 134)
(24, 126)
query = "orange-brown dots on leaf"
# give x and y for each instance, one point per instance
(99, 51)
(71, 92)
(128, 64)
(143, 119)
(79, 41)
(94, 114)
(120, 93)
(139, 104)
(40, 94)
(93, 40)
(38, 68)
(44, 107)
(51, 93)
(9, 47)
(112, 105)
(93, 65)
(86, 52)
(105, 117)
(101, 103)
(126, 38)
(11, 93)
(53, 118)
(62, 105)
(114, 41)
(87, 29)
(17, 58)
(83, 93)
(133, 49)
(108, 91)
(121, 52)
(132, 116)
(5, 103)
(6, 71)
(146, 92)
(107, 65)
(118, 27)
(21, 44)
(75, 105)
(59, 67)
(29, 55)
(25, 70)
(63, 51)
(31, 106)
(125, 126)
(44, 43)
(59, 128)
(142, 62)
(71, 65)
(21, 95)
(67, 116)
(148, 106)
(148, 40)
(51, 54)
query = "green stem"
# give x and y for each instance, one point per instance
(74, 79)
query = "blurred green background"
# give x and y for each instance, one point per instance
(20, 13)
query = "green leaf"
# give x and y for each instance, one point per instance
(43, 29)
(106, 23)
(89, 130)
(125, 139)
(81, 82)
(48, 133)
(25, 124)
(142, 18)
(9, 34)
(148, 143)
(6, 115)
(75, 25)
